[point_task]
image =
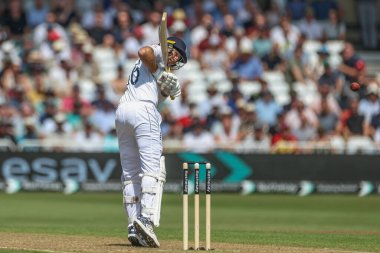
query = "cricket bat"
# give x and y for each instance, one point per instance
(162, 34)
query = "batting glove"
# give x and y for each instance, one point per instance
(175, 91)
(162, 76)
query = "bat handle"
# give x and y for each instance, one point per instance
(168, 70)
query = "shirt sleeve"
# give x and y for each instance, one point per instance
(157, 53)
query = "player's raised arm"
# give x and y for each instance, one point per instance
(148, 58)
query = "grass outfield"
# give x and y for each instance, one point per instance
(320, 221)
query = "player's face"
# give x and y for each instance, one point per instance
(174, 56)
(175, 60)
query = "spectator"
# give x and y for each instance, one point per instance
(247, 66)
(262, 44)
(299, 113)
(122, 28)
(324, 94)
(173, 139)
(353, 68)
(150, 28)
(267, 109)
(273, 61)
(110, 141)
(96, 17)
(260, 24)
(89, 68)
(199, 33)
(334, 28)
(306, 131)
(247, 118)
(273, 14)
(257, 142)
(284, 141)
(36, 14)
(7, 131)
(317, 68)
(215, 57)
(198, 139)
(286, 35)
(374, 129)
(311, 27)
(179, 29)
(73, 97)
(64, 10)
(31, 130)
(61, 129)
(225, 131)
(231, 43)
(370, 106)
(331, 78)
(214, 99)
(88, 139)
(296, 9)
(327, 119)
(322, 8)
(299, 69)
(103, 117)
(98, 30)
(50, 30)
(63, 76)
(351, 122)
(134, 42)
(118, 86)
(15, 19)
(229, 26)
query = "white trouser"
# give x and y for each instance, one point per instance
(140, 144)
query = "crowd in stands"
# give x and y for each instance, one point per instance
(263, 76)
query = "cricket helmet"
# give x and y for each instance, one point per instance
(180, 46)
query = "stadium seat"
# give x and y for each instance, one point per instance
(360, 145)
(335, 46)
(338, 144)
(282, 98)
(224, 86)
(249, 88)
(215, 76)
(279, 87)
(273, 76)
(311, 46)
(335, 60)
(196, 87)
(199, 97)
(7, 145)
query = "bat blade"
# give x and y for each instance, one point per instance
(163, 38)
(164, 45)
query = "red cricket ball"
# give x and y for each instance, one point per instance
(355, 86)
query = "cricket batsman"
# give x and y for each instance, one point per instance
(139, 137)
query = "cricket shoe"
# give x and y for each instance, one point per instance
(144, 228)
(134, 238)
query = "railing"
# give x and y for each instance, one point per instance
(355, 145)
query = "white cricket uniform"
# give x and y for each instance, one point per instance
(139, 135)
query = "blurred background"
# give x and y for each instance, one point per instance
(266, 89)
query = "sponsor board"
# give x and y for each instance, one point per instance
(239, 173)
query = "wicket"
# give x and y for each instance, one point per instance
(196, 205)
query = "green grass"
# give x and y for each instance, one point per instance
(319, 221)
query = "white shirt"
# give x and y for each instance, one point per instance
(202, 143)
(141, 84)
(368, 109)
(312, 29)
(285, 42)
